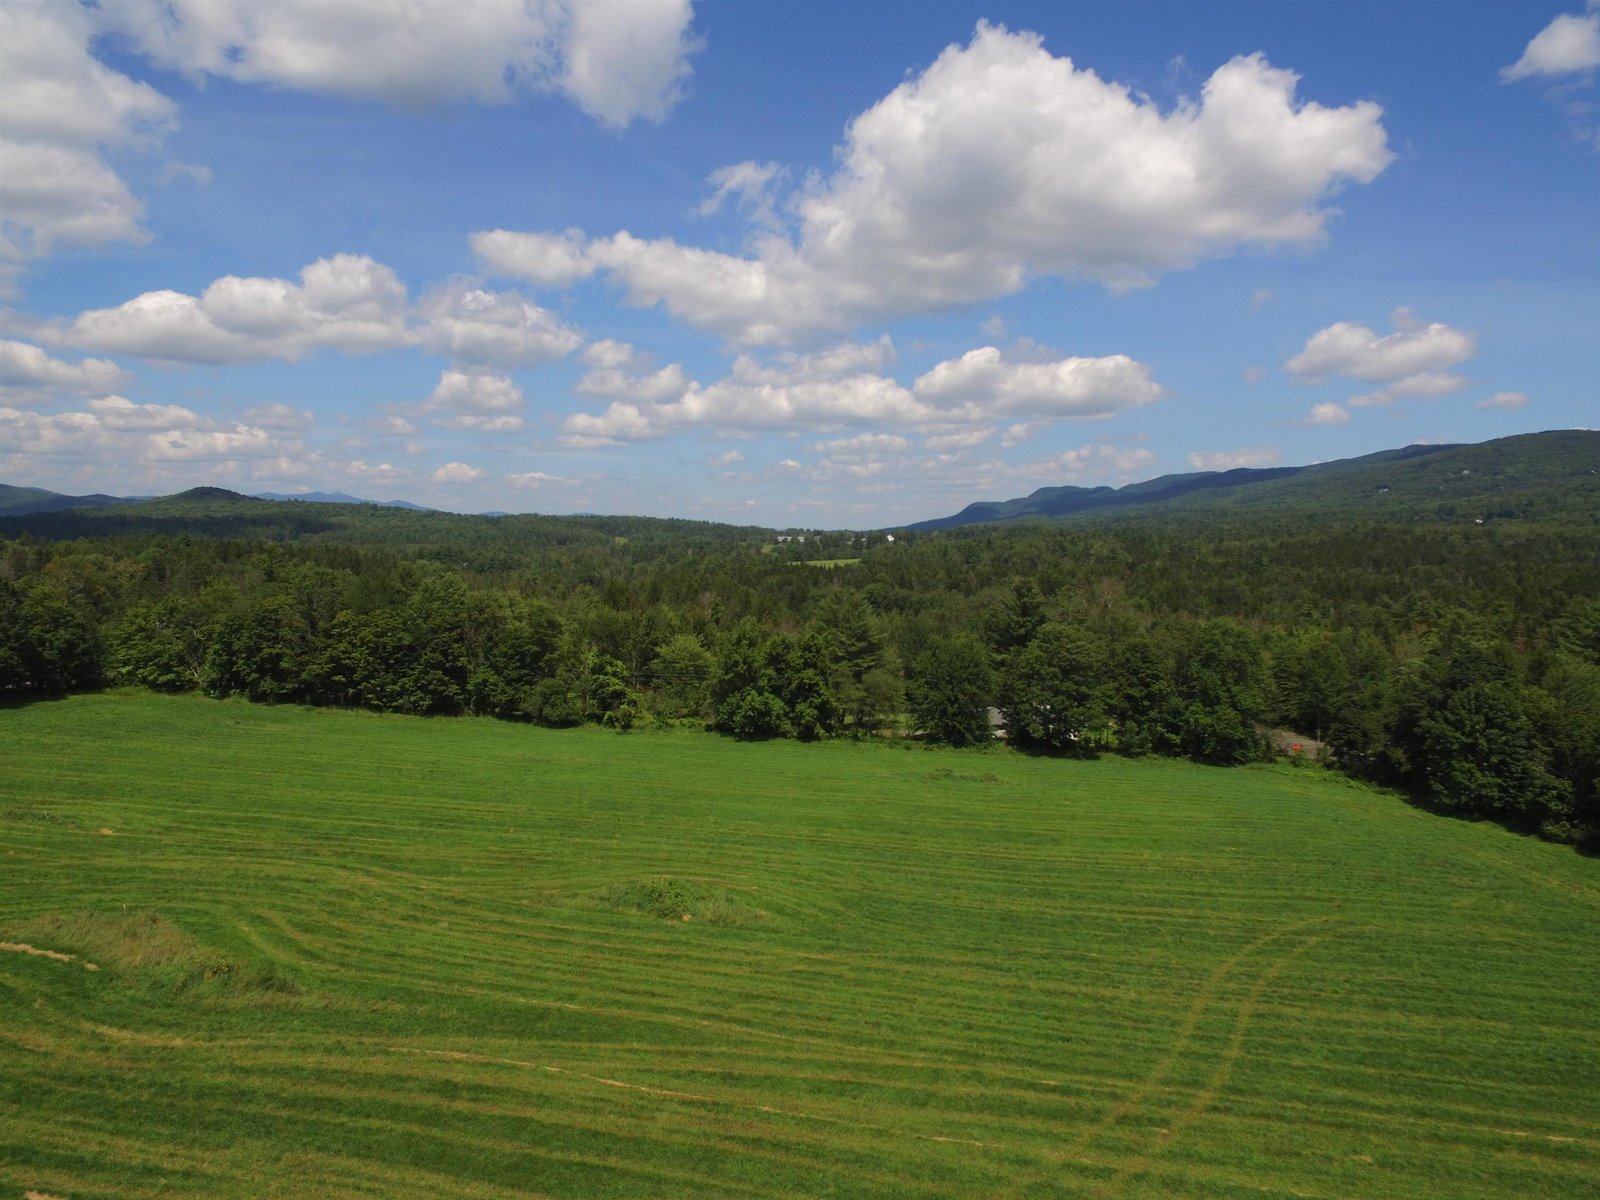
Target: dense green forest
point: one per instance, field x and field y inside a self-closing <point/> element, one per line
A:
<point x="1458" y="660"/>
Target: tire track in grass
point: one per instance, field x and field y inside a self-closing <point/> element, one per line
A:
<point x="1207" y="1095"/>
<point x="1155" y="1080"/>
<point x="1202" y="1003"/>
<point x="672" y="1094"/>
<point x="1583" y="897"/>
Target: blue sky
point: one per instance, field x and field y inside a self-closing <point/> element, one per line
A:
<point x="822" y="264"/>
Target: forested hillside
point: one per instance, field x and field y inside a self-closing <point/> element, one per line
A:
<point x="1534" y="476"/>
<point x="1458" y="659"/>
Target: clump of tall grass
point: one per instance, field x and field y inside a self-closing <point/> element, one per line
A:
<point x="146" y="948"/>
<point x="674" y="899"/>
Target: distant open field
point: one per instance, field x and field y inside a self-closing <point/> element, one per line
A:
<point x="342" y="954"/>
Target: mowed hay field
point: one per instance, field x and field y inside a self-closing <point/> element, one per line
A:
<point x="342" y="954"/>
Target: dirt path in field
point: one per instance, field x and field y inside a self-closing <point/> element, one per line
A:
<point x="57" y="955"/>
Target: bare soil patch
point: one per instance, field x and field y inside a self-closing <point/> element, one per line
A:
<point x="57" y="955"/>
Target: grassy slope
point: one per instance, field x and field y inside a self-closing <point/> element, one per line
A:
<point x="345" y="954"/>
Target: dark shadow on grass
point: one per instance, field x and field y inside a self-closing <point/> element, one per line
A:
<point x="10" y="700"/>
<point x="1586" y="842"/>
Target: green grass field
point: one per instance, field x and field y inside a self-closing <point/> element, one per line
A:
<point x="350" y="955"/>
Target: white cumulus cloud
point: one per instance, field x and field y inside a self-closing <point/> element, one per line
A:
<point x="457" y="472"/>
<point x="117" y="436"/>
<point x="982" y="380"/>
<point x="618" y="371"/>
<point x="618" y="60"/>
<point x="1099" y="461"/>
<point x="1354" y="350"/>
<point x="212" y="445"/>
<point x="1566" y="54"/>
<point x="500" y="329"/>
<point x="749" y="184"/>
<point x="1424" y="384"/>
<point x="542" y="259"/>
<point x="1568" y="45"/>
<point x="533" y="479"/>
<point x="1410" y="362"/>
<point x="63" y="111"/>
<point x="477" y="400"/>
<point x="29" y="375"/>
<point x="625" y="59"/>
<point x="834" y="362"/>
<point x="862" y="445"/>
<point x="832" y="389"/>
<point x="1020" y="432"/>
<point x="348" y="302"/>
<point x="1326" y="414"/>
<point x="1001" y="163"/>
<point x="117" y="412"/>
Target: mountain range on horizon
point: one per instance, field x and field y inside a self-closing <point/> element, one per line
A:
<point x="1495" y="472"/>
<point x="18" y="501"/>
<point x="1502" y="477"/>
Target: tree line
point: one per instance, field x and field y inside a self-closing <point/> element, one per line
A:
<point x="1462" y="666"/>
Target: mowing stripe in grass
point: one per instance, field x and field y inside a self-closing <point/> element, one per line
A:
<point x="362" y="955"/>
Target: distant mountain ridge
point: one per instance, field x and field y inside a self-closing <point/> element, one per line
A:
<point x="1555" y="474"/>
<point x="1503" y="478"/>
<point x="19" y="501"/>
<point x="338" y="498"/>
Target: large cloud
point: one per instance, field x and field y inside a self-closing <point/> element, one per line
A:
<point x="1570" y="44"/>
<point x="833" y="390"/>
<point x="1096" y="461"/>
<point x="29" y="375"/>
<point x="1348" y="348"/>
<point x="997" y="164"/>
<point x="627" y="58"/>
<point x="118" y="433"/>
<point x="617" y="59"/>
<point x="62" y="110"/>
<point x="1411" y="361"/>
<point x="114" y="444"/>
<point x="542" y="259"/>
<point x="457" y="472"/>
<point x="1325" y="414"/>
<point x="476" y="400"/>
<point x="347" y="302"/>
<point x="982" y="381"/>
<point x="1566" y="53"/>
<point x="500" y="329"/>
